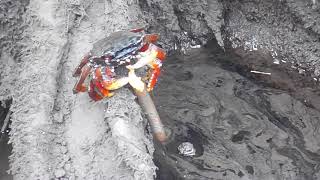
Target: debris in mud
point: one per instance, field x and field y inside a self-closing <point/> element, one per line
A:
<point x="187" y="149"/>
<point x="259" y="72"/>
<point x="59" y="173"/>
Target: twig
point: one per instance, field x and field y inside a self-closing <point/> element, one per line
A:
<point x="259" y="72"/>
<point x="149" y="108"/>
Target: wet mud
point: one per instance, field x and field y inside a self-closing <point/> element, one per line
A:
<point x="243" y="125"/>
<point x="5" y="151"/>
<point x="5" y="147"/>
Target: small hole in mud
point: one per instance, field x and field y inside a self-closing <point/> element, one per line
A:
<point x="185" y="76"/>
<point x="240" y="136"/>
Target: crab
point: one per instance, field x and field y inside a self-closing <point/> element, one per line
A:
<point x="130" y="49"/>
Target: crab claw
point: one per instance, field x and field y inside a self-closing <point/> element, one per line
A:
<point x="97" y="92"/>
<point x="116" y="84"/>
<point x="135" y="81"/>
<point x="155" y="66"/>
<point x="147" y="58"/>
<point x="104" y="75"/>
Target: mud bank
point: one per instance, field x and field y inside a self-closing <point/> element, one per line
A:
<point x="55" y="134"/>
<point x="289" y="30"/>
<point x="243" y="125"/>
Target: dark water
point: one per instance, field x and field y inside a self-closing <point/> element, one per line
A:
<point x="5" y="148"/>
<point x="243" y="125"/>
<point x="5" y="151"/>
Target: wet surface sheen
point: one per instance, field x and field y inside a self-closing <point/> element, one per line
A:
<point x="243" y="125"/>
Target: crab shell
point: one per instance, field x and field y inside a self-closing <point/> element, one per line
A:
<point x="112" y="51"/>
<point x="121" y="45"/>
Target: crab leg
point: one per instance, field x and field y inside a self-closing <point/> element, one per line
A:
<point x="103" y="83"/>
<point x="83" y="62"/>
<point x="79" y="86"/>
<point x="153" y="77"/>
<point x="94" y="92"/>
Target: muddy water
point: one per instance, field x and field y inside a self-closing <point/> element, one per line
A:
<point x="5" y="148"/>
<point x="5" y="151"/>
<point x="242" y="125"/>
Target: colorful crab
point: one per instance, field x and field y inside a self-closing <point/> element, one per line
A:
<point x="131" y="49"/>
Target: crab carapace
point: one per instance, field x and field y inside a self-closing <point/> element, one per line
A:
<point x="132" y="49"/>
